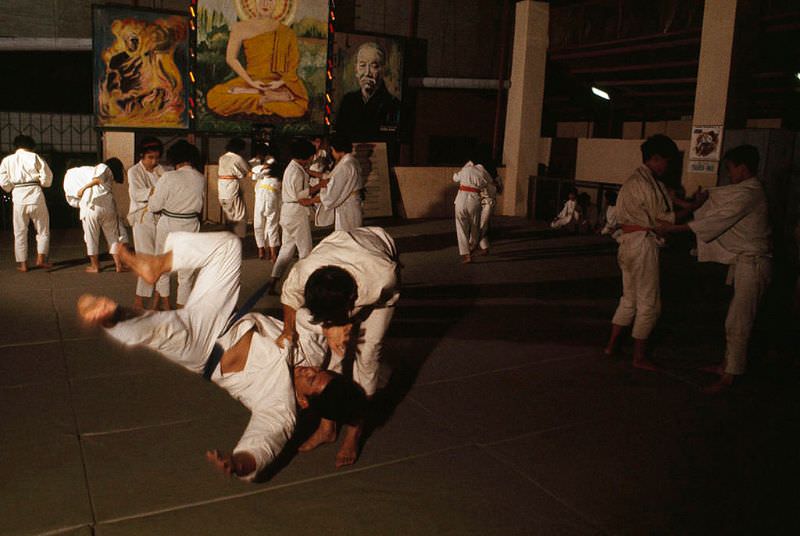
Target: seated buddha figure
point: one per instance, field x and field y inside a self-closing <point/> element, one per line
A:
<point x="269" y="84"/>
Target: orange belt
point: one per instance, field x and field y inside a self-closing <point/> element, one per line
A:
<point x="227" y="178"/>
<point x="469" y="189"/>
<point x="634" y="228"/>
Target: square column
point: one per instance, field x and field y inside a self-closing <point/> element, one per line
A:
<point x="525" y="98"/>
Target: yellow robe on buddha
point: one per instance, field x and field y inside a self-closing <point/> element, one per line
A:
<point x="270" y="56"/>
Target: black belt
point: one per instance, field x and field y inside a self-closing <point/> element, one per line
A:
<point x="182" y="216"/>
<point x="27" y="184"/>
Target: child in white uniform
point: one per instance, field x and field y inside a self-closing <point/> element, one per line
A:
<point x="267" y="206"/>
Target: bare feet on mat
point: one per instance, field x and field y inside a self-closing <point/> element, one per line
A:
<point x="95" y="310"/>
<point x="138" y="303"/>
<point x="22" y="267"/>
<point x="348" y="452"/>
<point x="41" y="262"/>
<point x="91" y="269"/>
<point x="466" y="259"/>
<point x="645" y="364"/>
<point x="325" y="433"/>
<point x="148" y="267"/>
<point x="262" y="254"/>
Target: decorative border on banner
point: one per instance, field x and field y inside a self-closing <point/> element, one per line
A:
<point x="192" y="61"/>
<point x="329" y="63"/>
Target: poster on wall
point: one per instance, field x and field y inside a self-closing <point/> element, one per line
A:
<point x="368" y="85"/>
<point x="374" y="160"/>
<point x="704" y="149"/>
<point x="261" y="62"/>
<point x="141" y="60"/>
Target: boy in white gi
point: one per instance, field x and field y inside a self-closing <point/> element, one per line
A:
<point x="232" y="168"/>
<point x="267" y="206"/>
<point x="178" y="199"/>
<point x="295" y="224"/>
<point x="24" y="174"/>
<point x="643" y="200"/>
<point x="488" y="202"/>
<point x="89" y="189"/>
<point x="733" y="228"/>
<point x="570" y="214"/>
<point x="471" y="179"/>
<point x="339" y="192"/>
<point x="271" y="382"/>
<point x="350" y="281"/>
<point x="142" y="179"/>
<point x="611" y="226"/>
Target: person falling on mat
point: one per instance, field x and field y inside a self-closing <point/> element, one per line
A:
<point x="268" y="380"/>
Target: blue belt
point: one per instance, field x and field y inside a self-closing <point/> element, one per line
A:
<point x="216" y="352"/>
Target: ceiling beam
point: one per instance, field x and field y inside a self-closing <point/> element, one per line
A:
<point x="650" y="82"/>
<point x="560" y="56"/>
<point x="635" y="67"/>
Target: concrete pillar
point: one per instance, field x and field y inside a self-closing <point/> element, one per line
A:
<point x="525" y="97"/>
<point x="120" y="145"/>
<point x="726" y="47"/>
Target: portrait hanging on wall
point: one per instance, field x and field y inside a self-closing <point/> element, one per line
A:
<point x="141" y="59"/>
<point x="368" y="85"/>
<point x="262" y="62"/>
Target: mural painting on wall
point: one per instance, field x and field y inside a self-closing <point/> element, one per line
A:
<point x="368" y="85"/>
<point x="261" y="62"/>
<point x="140" y="67"/>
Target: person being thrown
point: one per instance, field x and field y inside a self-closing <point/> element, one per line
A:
<point x="268" y="380"/>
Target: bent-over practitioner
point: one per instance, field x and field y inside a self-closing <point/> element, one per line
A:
<point x="349" y="282"/>
<point x="232" y="168"/>
<point x="24" y="174"/>
<point x="471" y="179"/>
<point x="269" y="381"/>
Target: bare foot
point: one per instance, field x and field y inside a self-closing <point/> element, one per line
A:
<point x="645" y="364"/>
<point x="721" y="386"/>
<point x="273" y="254"/>
<point x="22" y="267"/>
<point x="262" y="253"/>
<point x="348" y="452"/>
<point x="121" y="269"/>
<point x="326" y="433"/>
<point x="41" y="262"/>
<point x="92" y="269"/>
<point x="148" y="267"/>
<point x="466" y="259"/>
<point x="138" y="303"/>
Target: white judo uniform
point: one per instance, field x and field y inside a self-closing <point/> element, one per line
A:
<point x="98" y="212"/>
<point x="267" y="208"/>
<point x="733" y="228"/>
<point x="233" y="168"/>
<point x="369" y="255"/>
<point x="187" y="337"/>
<point x="295" y="223"/>
<point x="178" y="198"/>
<point x="570" y="215"/>
<point x="642" y="201"/>
<point x="24" y="174"/>
<point x="471" y="180"/>
<point x="141" y="184"/>
<point x="342" y="196"/>
<point x="488" y="202"/>
<point x="611" y="225"/>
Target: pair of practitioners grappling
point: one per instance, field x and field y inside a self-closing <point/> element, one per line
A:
<point x="347" y="285"/>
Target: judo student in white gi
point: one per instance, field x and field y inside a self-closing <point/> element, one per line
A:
<point x="642" y="202"/>
<point x="471" y="179"/>
<point x="732" y="228"/>
<point x="488" y="202"/>
<point x="570" y="215"/>
<point x="295" y="218"/>
<point x="142" y="179"/>
<point x="88" y="188"/>
<point x="269" y="381"/>
<point x="349" y="283"/>
<point x="339" y="193"/>
<point x="232" y="168"/>
<point x="267" y="209"/>
<point x="321" y="162"/>
<point x="24" y="174"/>
<point x="178" y="200"/>
<point x="610" y="225"/>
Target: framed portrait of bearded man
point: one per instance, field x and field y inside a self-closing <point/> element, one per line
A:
<point x="262" y="62"/>
<point x="141" y="59"/>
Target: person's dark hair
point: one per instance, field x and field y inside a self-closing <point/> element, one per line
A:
<point x="117" y="169"/>
<point x="150" y="144"/>
<point x="573" y="191"/>
<point x="24" y="142"/>
<point x="235" y="145"/>
<point x="584" y="199"/>
<point x="341" y="143"/>
<point x="744" y="154"/>
<point x="260" y="150"/>
<point x="660" y="145"/>
<point x="183" y="151"/>
<point x="611" y="197"/>
<point x="342" y="400"/>
<point x="301" y="149"/>
<point x="330" y="294"/>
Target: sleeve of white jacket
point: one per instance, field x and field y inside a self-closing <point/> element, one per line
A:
<point x="724" y="211"/>
<point x="270" y="427"/>
<point x="45" y="174"/>
<point x="5" y="178"/>
<point x="138" y="189"/>
<point x="293" y="292"/>
<point x="241" y="168"/>
<point x="159" y="196"/>
<point x="343" y="181"/>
